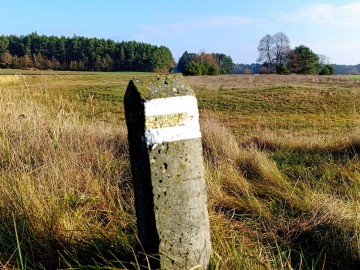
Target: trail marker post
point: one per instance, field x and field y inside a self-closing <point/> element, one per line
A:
<point x="168" y="173"/>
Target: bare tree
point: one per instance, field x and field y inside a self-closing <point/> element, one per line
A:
<point x="274" y="50"/>
<point x="265" y="50"/>
<point x="323" y="59"/>
<point x="281" y="48"/>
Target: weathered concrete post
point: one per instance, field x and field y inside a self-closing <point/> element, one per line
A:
<point x="167" y="166"/>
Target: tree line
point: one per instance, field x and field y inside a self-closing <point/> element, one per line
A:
<point x="93" y="54"/>
<point x="276" y="56"/>
<point x="82" y="53"/>
<point x="347" y="69"/>
<point x="256" y="68"/>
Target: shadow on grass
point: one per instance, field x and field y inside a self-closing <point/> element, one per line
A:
<point x="22" y="247"/>
<point x="325" y="247"/>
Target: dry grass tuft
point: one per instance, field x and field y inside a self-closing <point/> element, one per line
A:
<point x="218" y="140"/>
<point x="65" y="181"/>
<point x="9" y="79"/>
<point x="268" y="211"/>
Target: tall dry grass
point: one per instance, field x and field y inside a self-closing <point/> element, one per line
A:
<point x="273" y="221"/>
<point x="65" y="183"/>
<point x="277" y="199"/>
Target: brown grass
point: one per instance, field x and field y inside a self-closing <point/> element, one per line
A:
<point x="225" y="82"/>
<point x="66" y="179"/>
<point x="281" y="196"/>
<point x="248" y="189"/>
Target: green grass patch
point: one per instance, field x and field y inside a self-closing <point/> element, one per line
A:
<point x="352" y="77"/>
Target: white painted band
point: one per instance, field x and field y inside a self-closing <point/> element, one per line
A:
<point x="171" y="134"/>
<point x="171" y="105"/>
<point x="189" y="128"/>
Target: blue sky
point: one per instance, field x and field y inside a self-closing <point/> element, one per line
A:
<point x="232" y="27"/>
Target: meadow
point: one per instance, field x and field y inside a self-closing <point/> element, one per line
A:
<point x="281" y="154"/>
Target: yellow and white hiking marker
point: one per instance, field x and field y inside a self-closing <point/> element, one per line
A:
<point x="171" y="119"/>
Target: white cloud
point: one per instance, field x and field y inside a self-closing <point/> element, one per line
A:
<point x="184" y="26"/>
<point x="339" y="52"/>
<point x="327" y="14"/>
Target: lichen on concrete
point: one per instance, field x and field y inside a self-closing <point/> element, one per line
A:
<point x="162" y="86"/>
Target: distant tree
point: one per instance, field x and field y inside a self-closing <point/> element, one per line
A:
<point x="26" y="61"/>
<point x="197" y="68"/>
<point x="208" y="63"/>
<point x="302" y="60"/>
<point x="323" y="59"/>
<point x="325" y="67"/>
<point x="327" y="70"/>
<point x="205" y="64"/>
<point x="273" y="51"/>
<point x="206" y="57"/>
<point x="226" y="64"/>
<point x="161" y="59"/>
<point x="213" y="70"/>
<point x="6" y="60"/>
<point x="184" y="60"/>
<point x="192" y="69"/>
<point x="55" y="64"/>
<point x="35" y="43"/>
<point x="281" y="48"/>
<point x="4" y="43"/>
<point x="265" y="50"/>
<point x="15" y="46"/>
<point x="282" y="69"/>
<point x="16" y="63"/>
<point x="38" y="60"/>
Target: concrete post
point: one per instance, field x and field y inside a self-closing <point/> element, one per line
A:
<point x="168" y="174"/>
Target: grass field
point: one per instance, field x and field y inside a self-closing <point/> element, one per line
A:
<point x="281" y="153"/>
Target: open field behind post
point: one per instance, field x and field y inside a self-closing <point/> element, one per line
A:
<point x="281" y="156"/>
